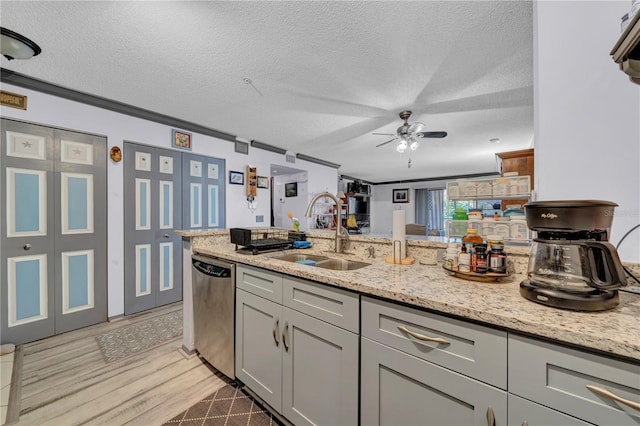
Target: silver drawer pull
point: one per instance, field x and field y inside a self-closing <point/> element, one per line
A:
<point x="166" y="235"/>
<point x="27" y="246"/>
<point x="284" y="335"/>
<point x="491" y="418"/>
<point x="423" y="337"/>
<point x="604" y="392"/>
<point x="275" y="331"/>
<point x="525" y="423"/>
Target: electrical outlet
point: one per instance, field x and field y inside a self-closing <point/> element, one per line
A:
<point x="259" y="218"/>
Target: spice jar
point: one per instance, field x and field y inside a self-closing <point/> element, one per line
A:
<point x="497" y="259"/>
<point x="479" y="259"/>
<point x="451" y="256"/>
<point x="464" y="260"/>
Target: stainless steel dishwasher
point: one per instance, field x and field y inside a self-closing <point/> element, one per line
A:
<point x="214" y="312"/>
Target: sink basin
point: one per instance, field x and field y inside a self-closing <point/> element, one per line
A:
<point x="324" y="261"/>
<point x="341" y="264"/>
<point x="301" y="256"/>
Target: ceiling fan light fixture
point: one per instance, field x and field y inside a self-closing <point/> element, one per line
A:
<point x="401" y="146"/>
<point x="414" y="144"/>
<point x="17" y="46"/>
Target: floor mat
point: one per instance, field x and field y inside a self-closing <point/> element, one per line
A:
<point x="228" y="406"/>
<point x="131" y="339"/>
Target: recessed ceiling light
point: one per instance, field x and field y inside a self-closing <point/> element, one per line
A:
<point x="494" y="140"/>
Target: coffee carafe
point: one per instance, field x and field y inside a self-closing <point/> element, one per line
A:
<point x="572" y="265"/>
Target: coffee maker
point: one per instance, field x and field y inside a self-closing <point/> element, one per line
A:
<point x="572" y="265"/>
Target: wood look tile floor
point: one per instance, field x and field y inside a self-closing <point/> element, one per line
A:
<point x="65" y="380"/>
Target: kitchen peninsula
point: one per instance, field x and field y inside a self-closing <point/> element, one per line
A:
<point x="616" y="332"/>
<point x="608" y="343"/>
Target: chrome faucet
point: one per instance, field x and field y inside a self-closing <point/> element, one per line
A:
<point x="371" y="251"/>
<point x="342" y="236"/>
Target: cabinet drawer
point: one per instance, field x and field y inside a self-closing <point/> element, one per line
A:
<point x="333" y="305"/>
<point x="558" y="377"/>
<point x="260" y="282"/>
<point x="476" y="351"/>
<point x="522" y="412"/>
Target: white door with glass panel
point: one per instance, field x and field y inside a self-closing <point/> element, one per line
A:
<point x="153" y="252"/>
<point x="53" y="231"/>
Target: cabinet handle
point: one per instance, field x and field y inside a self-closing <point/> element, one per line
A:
<point x="27" y="246"/>
<point x="491" y="418"/>
<point x="604" y="392"/>
<point x="525" y="423"/>
<point x="166" y="235"/>
<point x="422" y="336"/>
<point x="284" y="335"/>
<point x="276" y="323"/>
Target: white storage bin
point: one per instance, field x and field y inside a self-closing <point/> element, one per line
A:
<point x="518" y="229"/>
<point x="484" y="189"/>
<point x="488" y="226"/>
<point x="501" y="187"/>
<point x="502" y="229"/>
<point x="468" y="189"/>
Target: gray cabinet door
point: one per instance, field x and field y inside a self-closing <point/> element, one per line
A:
<point x="320" y="372"/>
<point x="527" y="413"/>
<point x="53" y="231"/>
<point x="400" y="389"/>
<point x="258" y="346"/>
<point x="568" y="380"/>
<point x="153" y="210"/>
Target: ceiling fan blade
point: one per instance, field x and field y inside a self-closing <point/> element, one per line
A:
<point x="416" y="127"/>
<point x="383" y="134"/>
<point x="384" y="143"/>
<point x="431" y="134"/>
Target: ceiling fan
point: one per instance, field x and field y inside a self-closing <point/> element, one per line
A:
<point x="409" y="134"/>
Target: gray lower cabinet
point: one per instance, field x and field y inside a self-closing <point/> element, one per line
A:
<point x="594" y="388"/>
<point x="420" y="368"/>
<point x="400" y="389"/>
<point x="527" y="413"/>
<point x="305" y="368"/>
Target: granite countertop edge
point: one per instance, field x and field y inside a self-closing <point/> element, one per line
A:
<point x="615" y="332"/>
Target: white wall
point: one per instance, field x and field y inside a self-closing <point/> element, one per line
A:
<point x="586" y="113"/>
<point x="56" y="112"/>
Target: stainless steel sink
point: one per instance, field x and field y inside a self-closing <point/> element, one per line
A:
<point x="294" y="257"/>
<point x="324" y="261"/>
<point x="341" y="264"/>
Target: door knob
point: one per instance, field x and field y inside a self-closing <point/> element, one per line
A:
<point x="27" y="246"/>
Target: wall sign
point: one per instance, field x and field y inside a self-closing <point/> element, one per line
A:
<point x="13" y="100"/>
<point x="180" y="139"/>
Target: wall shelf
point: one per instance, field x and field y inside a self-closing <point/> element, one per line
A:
<point x="626" y="51"/>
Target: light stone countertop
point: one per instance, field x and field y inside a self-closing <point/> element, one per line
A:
<point x="615" y="332"/>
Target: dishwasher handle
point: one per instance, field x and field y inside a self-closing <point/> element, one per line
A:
<point x="211" y="269"/>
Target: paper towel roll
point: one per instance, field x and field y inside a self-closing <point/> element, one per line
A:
<point x="399" y="253"/>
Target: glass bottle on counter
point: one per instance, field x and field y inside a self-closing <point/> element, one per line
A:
<point x="464" y="260"/>
<point x="471" y="238"/>
<point x="497" y="261"/>
<point x="479" y="259"/>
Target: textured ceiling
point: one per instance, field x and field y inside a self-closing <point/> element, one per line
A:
<point x="326" y="75"/>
